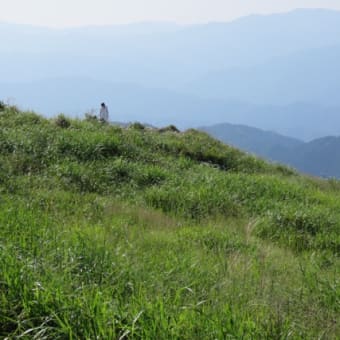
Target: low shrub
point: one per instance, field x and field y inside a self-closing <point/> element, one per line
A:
<point x="137" y="126"/>
<point x="62" y="121"/>
<point x="302" y="228"/>
<point x="169" y="128"/>
<point x="150" y="175"/>
<point x="2" y="105"/>
<point x="90" y="117"/>
<point x="192" y="202"/>
<point x="86" y="145"/>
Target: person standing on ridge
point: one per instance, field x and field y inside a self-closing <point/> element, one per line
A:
<point x="104" y="113"/>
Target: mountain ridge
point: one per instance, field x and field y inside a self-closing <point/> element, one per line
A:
<point x="308" y="75"/>
<point x="319" y="157"/>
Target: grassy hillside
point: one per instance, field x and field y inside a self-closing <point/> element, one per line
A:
<point x="115" y="233"/>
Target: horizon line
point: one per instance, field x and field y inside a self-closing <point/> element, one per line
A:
<point x="165" y="22"/>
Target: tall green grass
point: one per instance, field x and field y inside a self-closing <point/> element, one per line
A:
<point x="114" y="233"/>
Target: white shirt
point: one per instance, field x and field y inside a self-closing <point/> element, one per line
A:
<point x="104" y="113"/>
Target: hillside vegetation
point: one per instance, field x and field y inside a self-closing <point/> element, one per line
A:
<point x="130" y="233"/>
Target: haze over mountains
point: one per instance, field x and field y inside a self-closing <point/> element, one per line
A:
<point x="279" y="72"/>
<point x="320" y="157"/>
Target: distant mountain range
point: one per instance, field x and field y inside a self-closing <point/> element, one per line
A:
<point x="162" y="55"/>
<point x="277" y="72"/>
<point x="130" y="102"/>
<point x="311" y="75"/>
<point x="320" y="157"/>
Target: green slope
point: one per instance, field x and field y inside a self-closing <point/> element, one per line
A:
<point x="131" y="233"/>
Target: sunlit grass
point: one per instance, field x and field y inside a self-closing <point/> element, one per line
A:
<point x="114" y="233"/>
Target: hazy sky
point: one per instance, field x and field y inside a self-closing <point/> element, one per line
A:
<point x="60" y="13"/>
